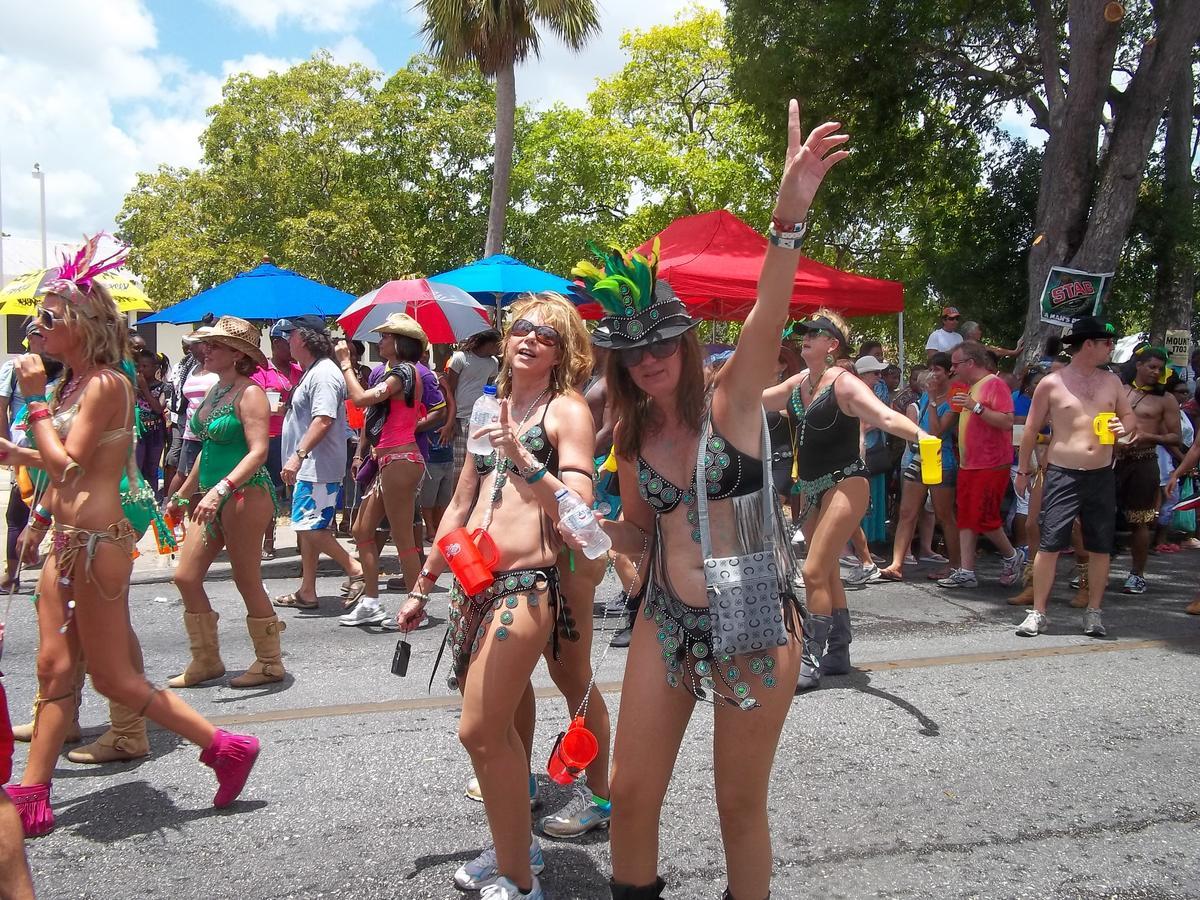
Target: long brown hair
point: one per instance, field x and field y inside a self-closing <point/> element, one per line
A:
<point x="633" y="408"/>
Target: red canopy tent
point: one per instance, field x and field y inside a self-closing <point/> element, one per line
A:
<point x="712" y="260"/>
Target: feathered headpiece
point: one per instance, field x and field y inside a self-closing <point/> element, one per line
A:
<point x="641" y="309"/>
<point x="76" y="274"/>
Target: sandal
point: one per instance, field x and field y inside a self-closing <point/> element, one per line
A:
<point x="888" y="575"/>
<point x="352" y="591"/>
<point x="293" y="601"/>
<point x="268" y="555"/>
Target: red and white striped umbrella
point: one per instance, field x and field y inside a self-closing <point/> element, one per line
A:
<point x="448" y="314"/>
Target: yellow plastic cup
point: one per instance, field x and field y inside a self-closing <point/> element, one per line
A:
<point x="931" y="460"/>
<point x="1100" y="426"/>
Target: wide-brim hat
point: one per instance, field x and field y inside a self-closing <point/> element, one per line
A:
<point x="1090" y="328"/>
<point x="200" y="334"/>
<point x="868" y="364"/>
<point x="405" y="325"/>
<point x="238" y="334"/>
<point x="666" y="317"/>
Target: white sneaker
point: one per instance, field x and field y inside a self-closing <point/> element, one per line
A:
<point x="579" y="816"/>
<point x="1035" y="623"/>
<point x="390" y="624"/>
<point x="1013" y="568"/>
<point x="503" y="889"/>
<point x="366" y="612"/>
<point x="797" y="538"/>
<point x="959" y="579"/>
<point x="473" y="791"/>
<point x="865" y="575"/>
<point x="481" y="872"/>
<point x="1093" y="624"/>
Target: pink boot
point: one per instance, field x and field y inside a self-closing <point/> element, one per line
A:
<point x="33" y="803"/>
<point x="231" y="757"/>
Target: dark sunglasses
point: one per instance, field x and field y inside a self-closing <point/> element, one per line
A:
<point x="47" y="318"/>
<point x="631" y="356"/>
<point x="544" y="333"/>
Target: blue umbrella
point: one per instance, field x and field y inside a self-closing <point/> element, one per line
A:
<point x="504" y="277"/>
<point x="265" y="292"/>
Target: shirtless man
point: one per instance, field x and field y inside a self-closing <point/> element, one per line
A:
<point x="1079" y="480"/>
<point x="1137" y="462"/>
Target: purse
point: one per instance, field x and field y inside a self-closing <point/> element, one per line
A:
<point x="744" y="592"/>
<point x="879" y="459"/>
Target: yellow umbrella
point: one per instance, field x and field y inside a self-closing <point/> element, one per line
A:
<point x="21" y="296"/>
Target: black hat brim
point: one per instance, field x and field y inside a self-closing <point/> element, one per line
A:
<point x="1098" y="335"/>
<point x="605" y="338"/>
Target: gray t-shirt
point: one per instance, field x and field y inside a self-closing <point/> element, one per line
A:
<point x="473" y="373"/>
<point x="321" y="392"/>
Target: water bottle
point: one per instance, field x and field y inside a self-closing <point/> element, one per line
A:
<point x="576" y="517"/>
<point x="485" y="412"/>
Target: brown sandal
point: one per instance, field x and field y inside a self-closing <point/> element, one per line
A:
<point x="352" y="590"/>
<point x="293" y="601"/>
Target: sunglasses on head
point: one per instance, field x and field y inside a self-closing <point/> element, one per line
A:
<point x="47" y="318"/>
<point x="544" y="333"/>
<point x="631" y="356"/>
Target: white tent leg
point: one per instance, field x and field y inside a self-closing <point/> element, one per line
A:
<point x="900" y="321"/>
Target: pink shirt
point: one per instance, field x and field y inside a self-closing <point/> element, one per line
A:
<point x="272" y="379"/>
<point x="980" y="445"/>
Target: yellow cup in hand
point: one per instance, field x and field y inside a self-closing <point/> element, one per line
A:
<point x="931" y="460"/>
<point x="1100" y="426"/>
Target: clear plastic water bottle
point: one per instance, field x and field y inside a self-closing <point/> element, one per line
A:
<point x="485" y="412"/>
<point x="577" y="518"/>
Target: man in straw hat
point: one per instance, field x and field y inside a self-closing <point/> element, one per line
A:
<point x="1083" y="403"/>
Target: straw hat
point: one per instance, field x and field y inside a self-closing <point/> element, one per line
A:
<point x="199" y="334"/>
<point x="238" y="334"/>
<point x="405" y="325"/>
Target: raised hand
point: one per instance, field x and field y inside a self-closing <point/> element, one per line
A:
<point x="31" y="374"/>
<point x="806" y="164"/>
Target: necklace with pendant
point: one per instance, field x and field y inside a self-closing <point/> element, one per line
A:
<point x="503" y="465"/>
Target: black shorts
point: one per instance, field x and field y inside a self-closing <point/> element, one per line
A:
<point x="1090" y="494"/>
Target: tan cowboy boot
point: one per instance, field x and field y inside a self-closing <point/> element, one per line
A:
<point x="206" y="651"/>
<point x="124" y="740"/>
<point x="24" y="732"/>
<point x="1080" y="600"/>
<point x="268" y="666"/>
<point x="1025" y="598"/>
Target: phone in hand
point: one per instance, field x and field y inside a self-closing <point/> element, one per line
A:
<point x="400" y="658"/>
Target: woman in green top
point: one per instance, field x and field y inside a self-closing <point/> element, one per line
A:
<point x="235" y="511"/>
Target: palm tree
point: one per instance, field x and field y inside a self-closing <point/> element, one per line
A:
<point x="496" y="35"/>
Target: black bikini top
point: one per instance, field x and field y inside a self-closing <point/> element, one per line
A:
<point x="826" y="438"/>
<point x="728" y="473"/>
<point x="536" y="440"/>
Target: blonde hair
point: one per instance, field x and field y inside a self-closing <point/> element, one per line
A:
<point x="836" y="318"/>
<point x="102" y="328"/>
<point x="575" y="353"/>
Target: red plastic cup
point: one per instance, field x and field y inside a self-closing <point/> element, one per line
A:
<point x="959" y="387"/>
<point x="573" y="752"/>
<point x="471" y="556"/>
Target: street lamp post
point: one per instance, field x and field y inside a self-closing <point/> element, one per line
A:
<point x="41" y="180"/>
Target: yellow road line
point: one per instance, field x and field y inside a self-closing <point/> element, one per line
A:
<point x="614" y="687"/>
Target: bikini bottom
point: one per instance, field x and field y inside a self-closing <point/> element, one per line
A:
<point x="472" y="615"/>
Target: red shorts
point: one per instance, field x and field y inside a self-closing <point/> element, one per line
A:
<point x="6" y="739"/>
<point x="980" y="493"/>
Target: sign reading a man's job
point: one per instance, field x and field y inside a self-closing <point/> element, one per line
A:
<point x="1070" y="294"/>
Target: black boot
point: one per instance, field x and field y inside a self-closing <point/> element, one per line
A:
<point x="837" y="651"/>
<point x="816" y="633"/>
<point x="625" y="635"/>
<point x="648" y="892"/>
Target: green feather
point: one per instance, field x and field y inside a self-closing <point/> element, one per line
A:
<point x="625" y="282"/>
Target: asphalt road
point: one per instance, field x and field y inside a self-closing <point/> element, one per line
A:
<point x="958" y="761"/>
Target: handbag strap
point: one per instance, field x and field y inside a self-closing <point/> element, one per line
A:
<point x="702" y="486"/>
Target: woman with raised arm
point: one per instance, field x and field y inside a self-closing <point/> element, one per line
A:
<point x="827" y="406"/>
<point x="669" y="426"/>
<point x="236" y="506"/>
<point x="543" y="442"/>
<point x="394" y="410"/>
<point x="84" y="439"/>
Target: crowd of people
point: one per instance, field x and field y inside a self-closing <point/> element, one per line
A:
<point x="636" y="418"/>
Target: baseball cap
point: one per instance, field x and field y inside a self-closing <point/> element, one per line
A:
<point x="951" y="312"/>
<point x="284" y="327"/>
<point x="869" y="364"/>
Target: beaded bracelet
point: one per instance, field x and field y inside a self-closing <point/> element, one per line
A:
<point x="183" y="502"/>
<point x="419" y="597"/>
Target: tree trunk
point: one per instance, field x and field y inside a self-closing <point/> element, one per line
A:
<point x="1066" y="233"/>
<point x="506" y="112"/>
<point x="1175" y="282"/>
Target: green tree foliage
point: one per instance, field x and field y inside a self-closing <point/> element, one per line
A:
<point x="324" y="170"/>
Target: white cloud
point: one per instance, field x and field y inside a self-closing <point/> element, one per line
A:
<point x="563" y="75"/>
<point x="312" y="15"/>
<point x="351" y="50"/>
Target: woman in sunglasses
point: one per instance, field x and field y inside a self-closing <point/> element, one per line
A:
<point x="543" y="442"/>
<point x="827" y="404"/>
<point x="84" y="436"/>
<point x="663" y="406"/>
